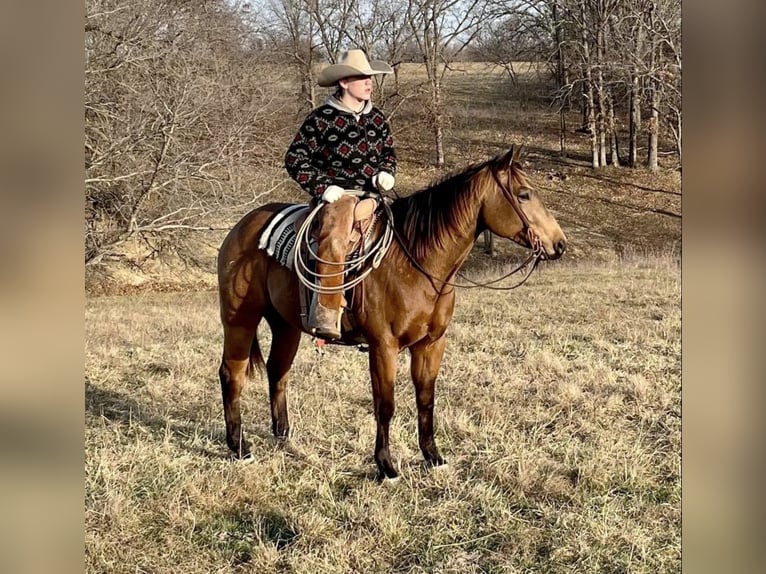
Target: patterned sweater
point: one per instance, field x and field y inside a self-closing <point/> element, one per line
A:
<point x="336" y="146"/>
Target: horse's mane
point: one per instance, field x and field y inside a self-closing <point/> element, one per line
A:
<point x="427" y="218"/>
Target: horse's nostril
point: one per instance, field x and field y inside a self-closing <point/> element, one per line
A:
<point x="561" y="246"/>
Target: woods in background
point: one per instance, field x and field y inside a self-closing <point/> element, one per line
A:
<point x="186" y="112"/>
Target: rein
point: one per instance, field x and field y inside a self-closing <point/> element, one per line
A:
<point x="534" y="256"/>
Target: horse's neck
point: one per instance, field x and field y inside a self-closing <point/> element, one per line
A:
<point x="457" y="205"/>
<point x="443" y="262"/>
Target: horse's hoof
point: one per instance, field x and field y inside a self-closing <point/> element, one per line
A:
<point x="386" y="481"/>
<point x="388" y="475"/>
<point x="246" y="458"/>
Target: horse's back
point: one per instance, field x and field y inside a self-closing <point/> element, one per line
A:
<point x="247" y="231"/>
<point x="244" y="269"/>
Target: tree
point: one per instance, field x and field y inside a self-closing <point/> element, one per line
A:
<point x="292" y="29"/>
<point x="177" y="121"/>
<point x="612" y="56"/>
<point x="442" y="29"/>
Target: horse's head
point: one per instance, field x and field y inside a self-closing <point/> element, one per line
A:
<point x="512" y="208"/>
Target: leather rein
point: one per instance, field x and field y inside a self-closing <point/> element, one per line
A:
<point x="534" y="241"/>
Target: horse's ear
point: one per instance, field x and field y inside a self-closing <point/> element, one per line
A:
<point x="517" y="153"/>
<point x="508" y="157"/>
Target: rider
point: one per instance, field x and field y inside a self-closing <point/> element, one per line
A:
<point x="344" y="144"/>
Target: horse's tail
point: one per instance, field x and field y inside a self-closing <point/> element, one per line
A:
<point x="256" y="358"/>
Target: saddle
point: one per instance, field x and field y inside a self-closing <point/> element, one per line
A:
<point x="364" y="251"/>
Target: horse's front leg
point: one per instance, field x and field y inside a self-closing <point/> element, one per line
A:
<point x="383" y="376"/>
<point x="285" y="340"/>
<point x="426" y="360"/>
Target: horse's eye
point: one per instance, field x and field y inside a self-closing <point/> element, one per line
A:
<point x="524" y="195"/>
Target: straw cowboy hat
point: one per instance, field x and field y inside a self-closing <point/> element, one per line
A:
<point x="352" y="63"/>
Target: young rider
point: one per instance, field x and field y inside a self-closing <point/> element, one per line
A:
<point x="344" y="144"/>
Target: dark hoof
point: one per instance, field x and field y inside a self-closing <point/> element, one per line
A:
<point x="241" y="452"/>
<point x="281" y="435"/>
<point x="437" y="461"/>
<point x="386" y="473"/>
<point x="432" y="456"/>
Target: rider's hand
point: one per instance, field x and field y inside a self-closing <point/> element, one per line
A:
<point x="383" y="180"/>
<point x="333" y="193"/>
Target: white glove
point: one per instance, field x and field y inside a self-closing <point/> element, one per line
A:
<point x="383" y="180"/>
<point x="333" y="193"/>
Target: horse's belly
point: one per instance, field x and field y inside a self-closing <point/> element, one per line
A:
<point x="282" y="286"/>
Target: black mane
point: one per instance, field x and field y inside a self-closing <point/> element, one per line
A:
<point x="428" y="217"/>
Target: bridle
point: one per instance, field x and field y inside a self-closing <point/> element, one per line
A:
<point x="531" y="236"/>
<point x="533" y="240"/>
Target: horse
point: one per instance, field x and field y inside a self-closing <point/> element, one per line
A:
<point x="407" y="301"/>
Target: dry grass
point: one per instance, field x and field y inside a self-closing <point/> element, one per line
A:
<point x="558" y="405"/>
<point x="558" y="410"/>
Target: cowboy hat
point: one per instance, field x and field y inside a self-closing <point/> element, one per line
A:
<point x="352" y="63"/>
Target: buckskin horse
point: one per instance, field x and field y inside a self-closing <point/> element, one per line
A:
<point x="407" y="302"/>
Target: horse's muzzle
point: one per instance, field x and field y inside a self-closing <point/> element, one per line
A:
<point x="558" y="250"/>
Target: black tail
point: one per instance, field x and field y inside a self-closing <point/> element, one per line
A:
<point x="256" y="358"/>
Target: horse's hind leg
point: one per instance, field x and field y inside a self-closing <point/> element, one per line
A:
<point x="426" y="359"/>
<point x="233" y="374"/>
<point x="284" y="346"/>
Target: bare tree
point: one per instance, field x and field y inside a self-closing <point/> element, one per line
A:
<point x="664" y="74"/>
<point x="332" y="19"/>
<point x="381" y="29"/>
<point x="653" y="90"/>
<point x="637" y="56"/>
<point x="177" y="121"/>
<point x="442" y="30"/>
<point x="616" y="56"/>
<point x="292" y="30"/>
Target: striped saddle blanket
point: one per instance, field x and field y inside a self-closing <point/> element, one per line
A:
<point x="278" y="238"/>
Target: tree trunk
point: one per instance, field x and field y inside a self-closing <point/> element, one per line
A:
<point x="635" y="121"/>
<point x="489" y="243"/>
<point x="561" y="80"/>
<point x="635" y="97"/>
<point x="612" y="128"/>
<point x="591" y="118"/>
<point x="677" y="132"/>
<point x="601" y="95"/>
<point x="654" y="98"/>
<point x="438" y="121"/>
<point x="563" y="130"/>
<point x="654" y="128"/>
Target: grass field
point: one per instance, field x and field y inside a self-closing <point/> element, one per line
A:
<point x="557" y="409"/>
<point x="557" y="406"/>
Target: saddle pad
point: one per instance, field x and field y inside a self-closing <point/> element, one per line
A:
<point x="278" y="238"/>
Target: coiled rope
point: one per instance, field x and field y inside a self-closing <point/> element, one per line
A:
<point x="376" y="252"/>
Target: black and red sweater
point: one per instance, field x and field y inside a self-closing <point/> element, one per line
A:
<point x="335" y="146"/>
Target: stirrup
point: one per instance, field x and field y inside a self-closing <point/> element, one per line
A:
<point x="324" y="322"/>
